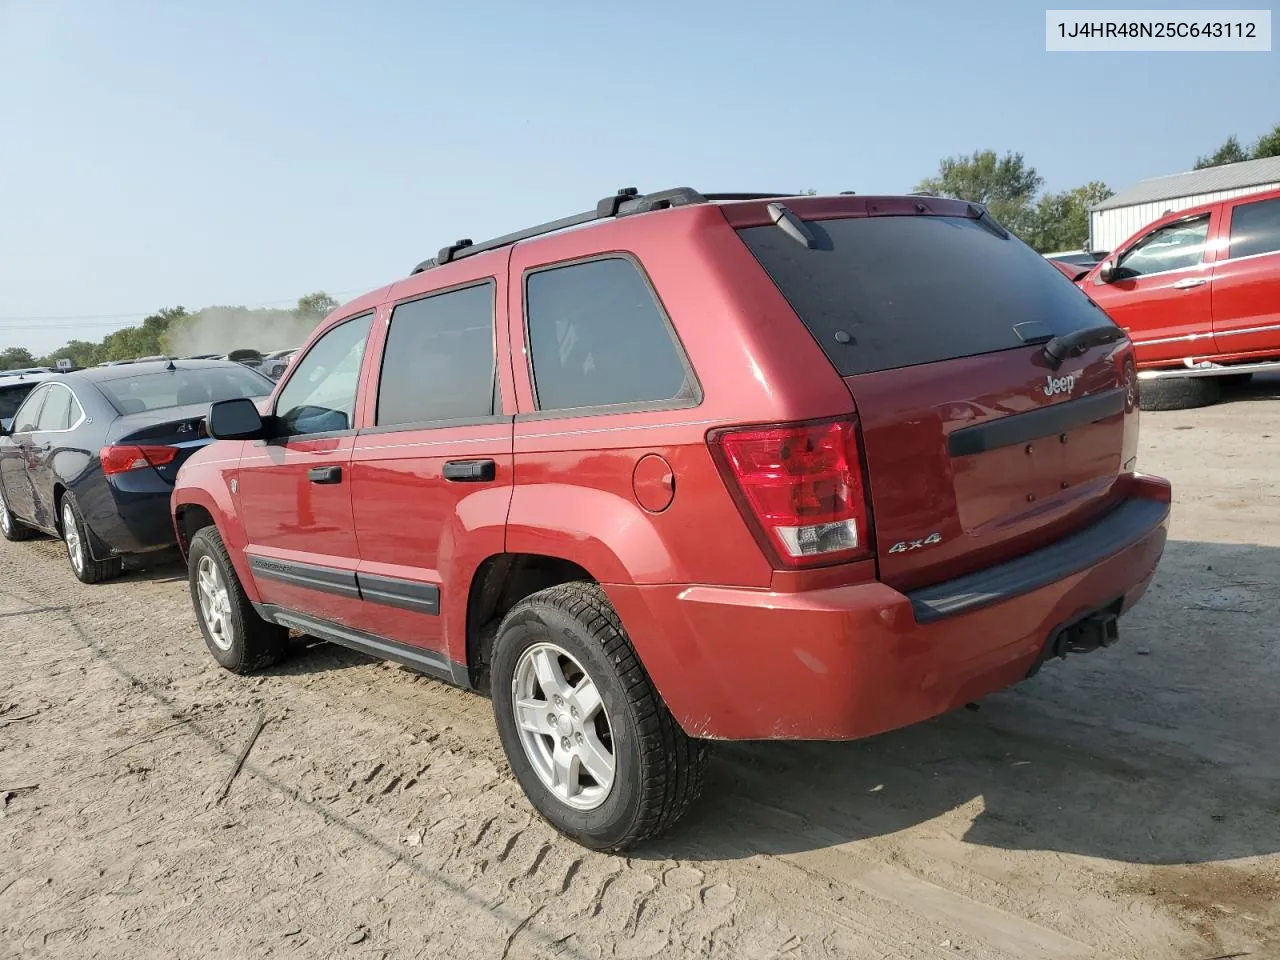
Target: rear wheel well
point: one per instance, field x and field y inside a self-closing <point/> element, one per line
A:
<point x="58" y="491"/>
<point x="499" y="584"/>
<point x="191" y="519"/>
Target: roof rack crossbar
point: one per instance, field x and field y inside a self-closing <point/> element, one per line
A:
<point x="625" y="202"/>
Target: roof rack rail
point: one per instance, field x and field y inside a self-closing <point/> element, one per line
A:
<point x="625" y="202"/>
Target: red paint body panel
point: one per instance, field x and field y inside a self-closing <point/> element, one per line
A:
<point x="848" y="662"/>
<point x="987" y="507"/>
<point x="1232" y="315"/>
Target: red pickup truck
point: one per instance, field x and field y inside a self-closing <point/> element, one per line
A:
<point x="1198" y="292"/>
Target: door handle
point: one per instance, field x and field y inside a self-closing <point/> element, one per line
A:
<point x="325" y="474"/>
<point x="1190" y="282"/>
<point x="470" y="471"/>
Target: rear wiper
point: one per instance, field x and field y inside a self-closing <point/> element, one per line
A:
<point x="791" y="225"/>
<point x="1078" y="341"/>
<point x="984" y="217"/>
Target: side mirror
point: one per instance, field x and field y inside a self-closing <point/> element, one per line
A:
<point x="1109" y="272"/>
<point x="235" y="420"/>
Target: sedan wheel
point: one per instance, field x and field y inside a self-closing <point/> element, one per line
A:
<point x="215" y="603"/>
<point x="71" y="536"/>
<point x="564" y="728"/>
<point x="6" y="519"/>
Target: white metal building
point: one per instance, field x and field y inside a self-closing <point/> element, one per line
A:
<point x="1117" y="218"/>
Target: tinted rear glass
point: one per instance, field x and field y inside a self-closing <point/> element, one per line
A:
<point x="177" y="388"/>
<point x="916" y="289"/>
<point x="11" y="398"/>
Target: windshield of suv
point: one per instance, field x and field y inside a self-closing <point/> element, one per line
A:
<point x="177" y="388"/>
<point x="904" y="290"/>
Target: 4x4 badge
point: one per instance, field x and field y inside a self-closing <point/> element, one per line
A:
<point x="903" y="546"/>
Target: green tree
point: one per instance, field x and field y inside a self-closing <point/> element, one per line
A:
<point x="1060" y="221"/>
<point x="1006" y="185"/>
<point x="1229" y="152"/>
<point x="15" y="358"/>
<point x="82" y="353"/>
<point x="1268" y="145"/>
<point x="318" y="305"/>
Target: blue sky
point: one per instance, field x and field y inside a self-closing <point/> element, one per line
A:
<point x="157" y="153"/>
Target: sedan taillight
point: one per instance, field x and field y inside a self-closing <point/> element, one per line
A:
<point x="122" y="459"/>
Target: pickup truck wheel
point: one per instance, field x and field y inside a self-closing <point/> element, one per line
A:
<point x="238" y="638"/>
<point x="12" y="528"/>
<point x="75" y="536"/>
<point x="587" y="735"/>
<point x="1185" y="393"/>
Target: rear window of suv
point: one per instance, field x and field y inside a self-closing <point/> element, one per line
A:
<point x="904" y="290"/>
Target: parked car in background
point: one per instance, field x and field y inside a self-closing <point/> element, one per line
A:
<point x="706" y="468"/>
<point x="91" y="456"/>
<point x="276" y="362"/>
<point x="1072" y="271"/>
<point x="24" y="371"/>
<point x="14" y="387"/>
<point x="1079" y="258"/>
<point x="1198" y="292"/>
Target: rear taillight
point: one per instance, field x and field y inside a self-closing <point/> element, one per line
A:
<point x="122" y="459"/>
<point x="802" y="489"/>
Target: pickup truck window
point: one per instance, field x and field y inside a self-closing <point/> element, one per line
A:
<point x="1173" y="247"/>
<point x="1255" y="228"/>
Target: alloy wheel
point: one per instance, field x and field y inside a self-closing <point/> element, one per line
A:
<point x="215" y="603"/>
<point x="563" y="726"/>
<point x="71" y="536"/>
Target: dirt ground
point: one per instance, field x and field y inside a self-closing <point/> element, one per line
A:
<point x="1124" y="804"/>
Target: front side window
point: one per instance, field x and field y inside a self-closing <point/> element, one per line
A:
<point x="60" y="410"/>
<point x="29" y="413"/>
<point x="439" y="359"/>
<point x="1255" y="228"/>
<point x="1175" y="247"/>
<point x="597" y="337"/>
<point x="320" y="397"/>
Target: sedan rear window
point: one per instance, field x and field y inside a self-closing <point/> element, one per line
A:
<point x="894" y="291"/>
<point x="183" y="386"/>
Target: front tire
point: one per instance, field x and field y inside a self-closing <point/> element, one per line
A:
<point x="588" y="737"/>
<point x="12" y="528"/>
<point x="238" y="638"/>
<point x="75" y="536"/>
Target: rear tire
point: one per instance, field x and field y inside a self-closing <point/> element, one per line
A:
<point x="1235" y="380"/>
<point x="12" y="528"/>
<point x="238" y="638"/>
<point x="568" y="638"/>
<point x="75" y="535"/>
<point x="1184" y="393"/>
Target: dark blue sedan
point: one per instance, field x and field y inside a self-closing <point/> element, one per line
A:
<point x="91" y="457"/>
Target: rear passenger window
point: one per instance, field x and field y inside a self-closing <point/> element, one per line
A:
<point x="438" y="363"/>
<point x="597" y="337"/>
<point x="57" y="411"/>
<point x="1255" y="228"/>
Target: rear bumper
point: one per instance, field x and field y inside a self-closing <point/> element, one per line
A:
<point x="135" y="520"/>
<point x="848" y="662"/>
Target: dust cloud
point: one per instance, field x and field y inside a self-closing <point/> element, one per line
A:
<point x="223" y="329"/>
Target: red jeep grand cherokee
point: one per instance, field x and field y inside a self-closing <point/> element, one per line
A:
<point x="713" y="467"/>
